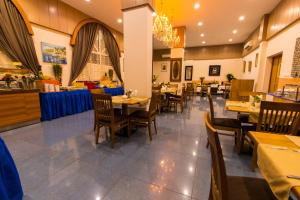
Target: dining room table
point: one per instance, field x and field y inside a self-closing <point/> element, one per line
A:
<point x="170" y="90"/>
<point x="278" y="158"/>
<point x="124" y="101"/>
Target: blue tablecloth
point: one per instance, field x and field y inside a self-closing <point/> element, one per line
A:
<point x="10" y="184"/>
<point x="114" y="91"/>
<point x="59" y="104"/>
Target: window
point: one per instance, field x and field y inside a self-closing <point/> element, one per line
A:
<point x="99" y="62"/>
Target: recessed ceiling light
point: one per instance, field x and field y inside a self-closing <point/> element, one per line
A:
<point x="202" y="34"/>
<point x="200" y="23"/>
<point x="120" y="20"/>
<point x="230" y="40"/>
<point x="196" y="6"/>
<point x="87" y="0"/>
<point x="234" y="31"/>
<point x="242" y="18"/>
<point x="154" y="14"/>
<point x="203" y="42"/>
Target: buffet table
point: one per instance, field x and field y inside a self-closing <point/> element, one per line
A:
<point x="60" y="104"/>
<point x="10" y="184"/>
<point x="18" y="108"/>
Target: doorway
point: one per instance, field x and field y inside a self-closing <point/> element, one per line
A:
<point x="275" y="73"/>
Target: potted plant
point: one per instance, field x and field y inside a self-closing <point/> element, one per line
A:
<point x="111" y="74"/>
<point x="57" y="70"/>
<point x="230" y="77"/>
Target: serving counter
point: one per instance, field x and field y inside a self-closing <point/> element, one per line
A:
<point x="19" y="108"/>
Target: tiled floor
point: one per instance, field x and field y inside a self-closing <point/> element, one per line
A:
<point x="58" y="160"/>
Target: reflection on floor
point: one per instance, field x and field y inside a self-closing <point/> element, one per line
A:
<point x="58" y="160"/>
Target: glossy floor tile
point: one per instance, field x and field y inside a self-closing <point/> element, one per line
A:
<point x="58" y="160"/>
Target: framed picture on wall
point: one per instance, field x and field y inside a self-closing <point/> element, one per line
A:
<point x="175" y="72"/>
<point x="256" y="59"/>
<point x="188" y="73"/>
<point x="249" y="66"/>
<point x="214" y="70"/>
<point x="54" y="53"/>
<point x="164" y="67"/>
<point x="244" y="66"/>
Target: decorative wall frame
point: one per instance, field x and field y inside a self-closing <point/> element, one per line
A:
<point x="214" y="70"/>
<point x="164" y="67"/>
<point x="175" y="70"/>
<point x="188" y="73"/>
<point x="249" y="66"/>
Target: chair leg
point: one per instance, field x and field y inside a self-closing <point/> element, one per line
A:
<point x="241" y="140"/>
<point x="207" y="144"/>
<point x="181" y="106"/>
<point x="129" y="129"/>
<point x="97" y="133"/>
<point x="149" y="130"/>
<point x="112" y="137"/>
<point x="254" y="158"/>
<point x="155" y="125"/>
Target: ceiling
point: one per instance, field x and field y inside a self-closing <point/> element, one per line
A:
<point x="219" y="17"/>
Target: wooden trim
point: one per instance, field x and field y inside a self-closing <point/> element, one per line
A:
<point x="88" y="21"/>
<point x="24" y="16"/>
<point x="284" y="29"/>
<point x="252" y="50"/>
<point x="138" y="6"/>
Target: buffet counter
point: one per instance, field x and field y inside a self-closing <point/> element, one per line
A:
<point x="19" y="108"/>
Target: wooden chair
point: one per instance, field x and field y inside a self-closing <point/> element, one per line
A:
<point x="245" y="96"/>
<point x="145" y="118"/>
<point x="96" y="91"/>
<point x="175" y="100"/>
<point x="159" y="99"/>
<point x="225" y="187"/>
<point x="225" y="124"/>
<point x="106" y="116"/>
<point x="190" y="90"/>
<point x="276" y="118"/>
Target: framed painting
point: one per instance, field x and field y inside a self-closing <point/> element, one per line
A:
<point x="54" y="53"/>
<point x="175" y="72"/>
<point x="214" y="70"/>
<point x="164" y="67"/>
<point x="188" y="73"/>
<point x="249" y="66"/>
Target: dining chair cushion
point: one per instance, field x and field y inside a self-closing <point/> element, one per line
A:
<point x="227" y="122"/>
<point x="248" y="188"/>
<point x="243" y="117"/>
<point x="139" y="114"/>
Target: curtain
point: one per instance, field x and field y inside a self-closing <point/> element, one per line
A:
<point x="83" y="48"/>
<point x="15" y="38"/>
<point x="113" y="51"/>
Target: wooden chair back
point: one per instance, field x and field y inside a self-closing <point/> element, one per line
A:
<point x="103" y="107"/>
<point x="279" y="117"/>
<point x="245" y="95"/>
<point x="158" y="87"/>
<point x="212" y="110"/>
<point x="97" y="91"/>
<point x="239" y="85"/>
<point x="219" y="188"/>
<point x="153" y="104"/>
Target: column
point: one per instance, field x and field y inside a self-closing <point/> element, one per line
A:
<point x="138" y="46"/>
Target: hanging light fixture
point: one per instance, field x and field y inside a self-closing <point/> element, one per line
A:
<point x="163" y="30"/>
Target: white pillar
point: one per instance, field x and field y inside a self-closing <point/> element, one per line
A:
<point x="138" y="47"/>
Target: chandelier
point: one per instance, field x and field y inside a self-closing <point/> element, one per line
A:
<point x="164" y="32"/>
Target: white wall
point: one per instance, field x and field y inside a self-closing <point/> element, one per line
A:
<point x="201" y="69"/>
<point x="56" y="38"/>
<point x="285" y="43"/>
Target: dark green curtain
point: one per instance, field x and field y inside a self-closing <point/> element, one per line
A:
<point x="113" y="51"/>
<point x="15" y="39"/>
<point x="83" y="48"/>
